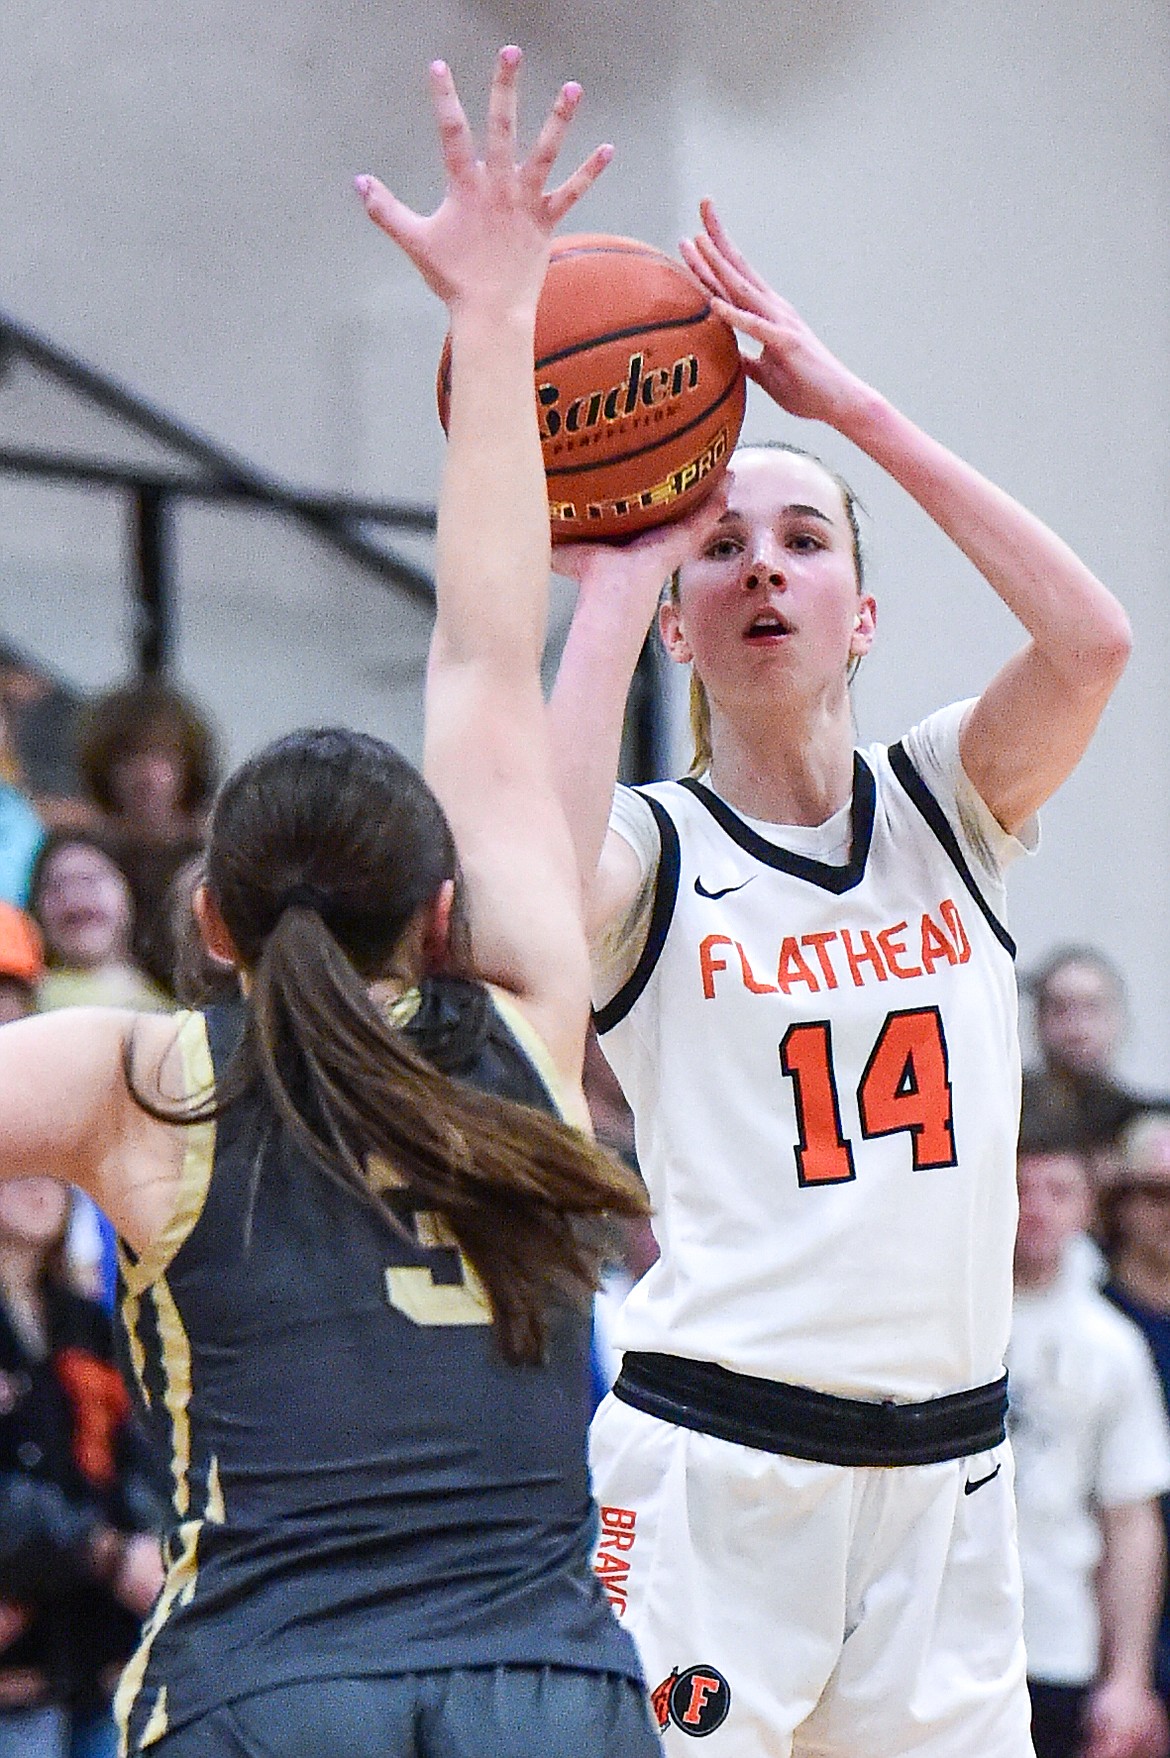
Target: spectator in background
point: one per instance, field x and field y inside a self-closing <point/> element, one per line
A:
<point x="79" y="1565"/>
<point x="148" y="761"/>
<point x="42" y="713"/>
<point x="1137" y="1232"/>
<point x="82" y="902"/>
<point x="1080" y="1020"/>
<point x="1092" y="1450"/>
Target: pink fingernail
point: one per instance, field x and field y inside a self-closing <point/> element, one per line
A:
<point x="510" y="55"/>
<point x="362" y="185"/>
<point x="439" y="69"/>
<point x="572" y="90"/>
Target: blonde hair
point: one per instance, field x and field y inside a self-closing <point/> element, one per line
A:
<point x="700" y="717"/>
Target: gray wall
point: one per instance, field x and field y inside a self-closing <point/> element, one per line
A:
<point x="970" y="202"/>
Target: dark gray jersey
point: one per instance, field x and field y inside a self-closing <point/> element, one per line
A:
<point x="362" y="1484"/>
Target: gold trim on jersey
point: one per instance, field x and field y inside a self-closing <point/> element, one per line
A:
<point x="179" y="1586"/>
<point x="156" y="1725"/>
<point x="403" y="1008"/>
<point x="216" y="1510"/>
<point x="131" y="1307"/>
<point x="538" y="1053"/>
<point x="176" y="1366"/>
<point x="198" y="1160"/>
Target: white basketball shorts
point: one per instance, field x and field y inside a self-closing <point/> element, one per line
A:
<point x="786" y="1609"/>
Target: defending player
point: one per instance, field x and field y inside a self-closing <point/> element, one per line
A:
<point x="357" y="1273"/>
<point x="806" y="988"/>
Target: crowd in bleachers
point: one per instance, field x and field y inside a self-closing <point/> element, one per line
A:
<point x="90" y="913"/>
<point x="96" y="875"/>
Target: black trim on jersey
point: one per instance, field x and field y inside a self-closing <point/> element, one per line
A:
<point x="921" y="797"/>
<point x="661" y="915"/>
<point x="829" y="878"/>
<point x="802" y="1424"/>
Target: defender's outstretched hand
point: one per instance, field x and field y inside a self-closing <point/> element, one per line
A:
<point x="489" y="237"/>
<point x="796" y="369"/>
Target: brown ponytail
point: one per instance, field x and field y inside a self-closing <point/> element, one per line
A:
<point x="322" y="850"/>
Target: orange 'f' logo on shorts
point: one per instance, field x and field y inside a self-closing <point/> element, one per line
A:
<point x="697" y="1701"/>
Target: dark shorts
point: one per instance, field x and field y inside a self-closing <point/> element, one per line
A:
<point x="1058" y="1719"/>
<point x="478" y="1712"/>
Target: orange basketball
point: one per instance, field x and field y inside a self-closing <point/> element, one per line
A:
<point x="639" y="388"/>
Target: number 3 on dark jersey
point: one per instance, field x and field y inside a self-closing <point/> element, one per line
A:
<point x="905" y="1087"/>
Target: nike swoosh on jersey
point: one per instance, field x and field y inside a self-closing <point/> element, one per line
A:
<point x="970" y="1487"/>
<point x="703" y="892"/>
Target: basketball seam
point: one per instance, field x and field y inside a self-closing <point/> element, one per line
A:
<point x="676" y="433"/>
<point x="673" y="323"/>
<point x="643" y="250"/>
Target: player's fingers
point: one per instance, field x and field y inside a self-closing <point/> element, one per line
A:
<point x="717" y="275"/>
<point x="719" y="236"/>
<point x="698" y="268"/>
<point x="455" y="137"/>
<point x="541" y="159"/>
<point x="681" y="541"/>
<point x="750" y="322"/>
<point x="746" y="292"/>
<point x="570" y="560"/>
<point x="558" y="201"/>
<point x="386" y="211"/>
<point x="501" y="116"/>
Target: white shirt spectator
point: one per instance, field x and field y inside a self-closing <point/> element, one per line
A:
<point x="1089" y="1430"/>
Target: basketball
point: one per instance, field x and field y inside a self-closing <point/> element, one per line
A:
<point x="639" y="388"/>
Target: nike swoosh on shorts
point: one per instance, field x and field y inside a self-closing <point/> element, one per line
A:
<point x="970" y="1487"/>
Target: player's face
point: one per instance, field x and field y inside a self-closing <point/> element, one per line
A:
<point x="33" y="1211"/>
<point x="1054" y="1205"/>
<point x="772" y="600"/>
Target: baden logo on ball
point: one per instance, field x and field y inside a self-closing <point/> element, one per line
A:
<point x="639" y="388"/>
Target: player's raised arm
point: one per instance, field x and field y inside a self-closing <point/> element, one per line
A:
<point x="618" y="588"/>
<point x="66" y="1111"/>
<point x="484" y="252"/>
<point x="1033" y="721"/>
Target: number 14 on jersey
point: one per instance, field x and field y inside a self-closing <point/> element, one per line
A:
<point x="905" y="1089"/>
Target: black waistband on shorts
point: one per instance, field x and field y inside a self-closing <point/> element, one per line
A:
<point x="803" y="1424"/>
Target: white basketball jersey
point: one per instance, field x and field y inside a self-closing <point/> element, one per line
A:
<point x="823" y="1066"/>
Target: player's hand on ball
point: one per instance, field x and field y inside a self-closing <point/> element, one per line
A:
<point x="642" y="564"/>
<point x="488" y="239"/>
<point x="795" y="368"/>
